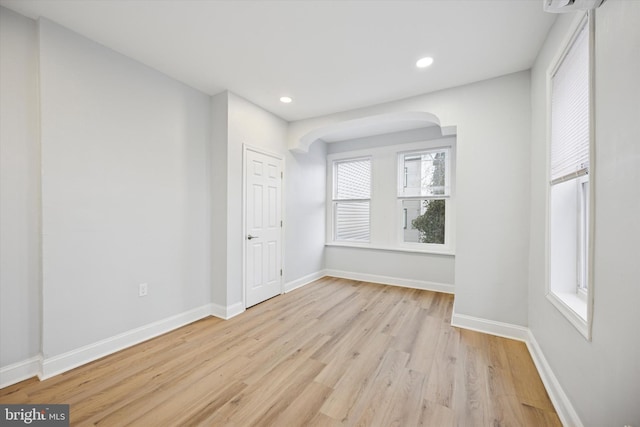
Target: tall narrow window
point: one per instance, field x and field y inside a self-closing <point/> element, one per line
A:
<point x="423" y="191"/>
<point x="351" y="200"/>
<point x="570" y="174"/>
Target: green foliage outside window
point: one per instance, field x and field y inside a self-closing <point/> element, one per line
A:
<point x="431" y="222"/>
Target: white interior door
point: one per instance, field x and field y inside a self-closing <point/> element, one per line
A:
<point x="263" y="239"/>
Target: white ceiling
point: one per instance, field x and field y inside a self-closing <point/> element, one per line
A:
<point x="329" y="56"/>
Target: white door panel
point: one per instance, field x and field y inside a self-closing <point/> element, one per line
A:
<point x="263" y="251"/>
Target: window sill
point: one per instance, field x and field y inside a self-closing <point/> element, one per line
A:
<point x="574" y="308"/>
<point x="444" y="252"/>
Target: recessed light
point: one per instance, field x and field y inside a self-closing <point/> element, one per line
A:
<point x="424" y="62"/>
<point x="285" y="99"/>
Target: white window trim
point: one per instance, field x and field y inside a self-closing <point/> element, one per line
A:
<point x="396" y="244"/>
<point x="576" y="307"/>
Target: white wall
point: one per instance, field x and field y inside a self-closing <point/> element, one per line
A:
<point x="412" y="269"/>
<point x="238" y="122"/>
<point x="304" y="175"/>
<point x="219" y="171"/>
<point x="305" y="189"/>
<point x="601" y="377"/>
<point x="383" y="140"/>
<point x="492" y="226"/>
<point x="253" y="126"/>
<point x="141" y="183"/>
<point x="125" y="192"/>
<point x="19" y="190"/>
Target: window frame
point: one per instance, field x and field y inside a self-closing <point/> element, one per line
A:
<point x="335" y="200"/>
<point x="386" y="219"/>
<point x="583" y="262"/>
<point x="577" y="305"/>
<point x="400" y="198"/>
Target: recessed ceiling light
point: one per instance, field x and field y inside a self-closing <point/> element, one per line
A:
<point x="285" y="99"/>
<point x="424" y="62"/>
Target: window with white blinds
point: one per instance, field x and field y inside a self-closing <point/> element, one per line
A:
<point x="351" y="200"/>
<point x="570" y="124"/>
<point x="570" y="198"/>
<point x="397" y="196"/>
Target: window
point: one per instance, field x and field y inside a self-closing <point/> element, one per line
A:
<point x="569" y="180"/>
<point x="351" y="200"/>
<point x="395" y="197"/>
<point x="423" y="190"/>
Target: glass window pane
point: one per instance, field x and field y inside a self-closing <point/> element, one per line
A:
<point x="583" y="233"/>
<point x="425" y="174"/>
<point x="353" y="179"/>
<point x="352" y="221"/>
<point x="425" y="221"/>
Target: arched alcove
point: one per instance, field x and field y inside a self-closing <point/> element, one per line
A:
<point x="379" y="124"/>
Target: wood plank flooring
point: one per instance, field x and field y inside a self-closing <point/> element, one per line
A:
<point x="335" y="352"/>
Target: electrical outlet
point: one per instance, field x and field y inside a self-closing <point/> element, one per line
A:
<point x="143" y="289"/>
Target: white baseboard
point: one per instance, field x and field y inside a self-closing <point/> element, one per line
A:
<point x="45" y="368"/>
<point x="492" y="327"/>
<point x="235" y="309"/>
<point x="20" y="371"/>
<point x="394" y="281"/>
<point x="219" y="311"/>
<point x="566" y="412"/>
<point x="305" y="280"/>
<point x="64" y="362"/>
<point x="561" y="402"/>
<point x="228" y="312"/>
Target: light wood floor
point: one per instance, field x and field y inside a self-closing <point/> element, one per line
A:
<point x="333" y="352"/>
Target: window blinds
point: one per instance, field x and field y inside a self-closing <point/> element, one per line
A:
<point x="353" y="179"/>
<point x="352" y="221"/>
<point x="352" y="191"/>
<point x="570" y="130"/>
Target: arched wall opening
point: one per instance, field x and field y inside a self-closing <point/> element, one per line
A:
<point x="379" y="124"/>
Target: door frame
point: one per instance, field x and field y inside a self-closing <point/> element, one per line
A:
<point x="245" y="148"/>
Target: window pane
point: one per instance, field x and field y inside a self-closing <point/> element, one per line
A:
<point x="583" y="233"/>
<point x="353" y="179"/>
<point x="352" y="221"/>
<point x="424" y="174"/>
<point x="564" y="234"/>
<point x="425" y="221"/>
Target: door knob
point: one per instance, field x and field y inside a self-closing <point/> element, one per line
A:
<point x="249" y="236"/>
